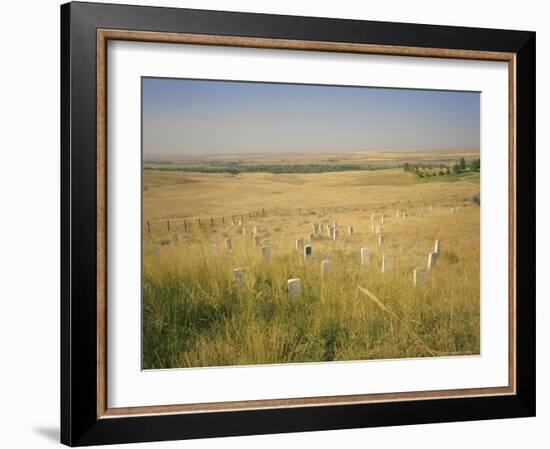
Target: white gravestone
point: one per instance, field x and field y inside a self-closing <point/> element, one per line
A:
<point x="397" y="213"/>
<point x="364" y="256"/>
<point x="308" y="252"/>
<point x="266" y="255"/>
<point x="294" y="287"/>
<point x="437" y="246"/>
<point x="254" y="229"/>
<point x="329" y="232"/>
<point x="257" y="240"/>
<point x="381" y="240"/>
<point x="419" y="277"/>
<point x="315" y="228"/>
<point x="350" y="230"/>
<point x="300" y="245"/>
<point x="228" y="243"/>
<point x="326" y="267"/>
<point x="383" y="219"/>
<point x="377" y="229"/>
<point x="387" y="263"/>
<point x="432" y="260"/>
<point x="335" y="234"/>
<point x="238" y="276"/>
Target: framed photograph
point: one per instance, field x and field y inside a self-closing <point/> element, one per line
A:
<point x="279" y="224"/>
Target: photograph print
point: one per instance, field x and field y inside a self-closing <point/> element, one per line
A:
<point x="298" y="223"/>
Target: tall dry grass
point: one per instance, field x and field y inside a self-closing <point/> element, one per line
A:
<point x="194" y="314"/>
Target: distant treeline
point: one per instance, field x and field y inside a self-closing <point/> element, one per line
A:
<point x="276" y="169"/>
<point x="461" y="166"/>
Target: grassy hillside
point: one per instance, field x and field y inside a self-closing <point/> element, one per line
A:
<point x="195" y="314"/>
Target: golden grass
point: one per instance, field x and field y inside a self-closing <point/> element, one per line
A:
<point x="195" y="315"/>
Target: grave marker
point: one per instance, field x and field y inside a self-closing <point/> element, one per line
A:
<point x="326" y="267"/>
<point x="238" y="276"/>
<point x="350" y="230"/>
<point x="381" y="240"/>
<point x="257" y="240"/>
<point x="383" y="219"/>
<point x="432" y="260"/>
<point x="335" y="234"/>
<point x="266" y="255"/>
<point x="387" y="263"/>
<point x="437" y="246"/>
<point x="364" y="256"/>
<point x="308" y="251"/>
<point x="294" y="287"/>
<point x="419" y="277"/>
<point x="254" y="229"/>
<point x="300" y="245"/>
<point x="228" y="243"/>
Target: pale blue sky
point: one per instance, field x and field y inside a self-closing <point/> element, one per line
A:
<point x="200" y="117"/>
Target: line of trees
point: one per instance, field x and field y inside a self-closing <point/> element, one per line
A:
<point x="459" y="167"/>
<point x="275" y="169"/>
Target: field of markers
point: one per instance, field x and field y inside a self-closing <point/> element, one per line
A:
<point x="260" y="268"/>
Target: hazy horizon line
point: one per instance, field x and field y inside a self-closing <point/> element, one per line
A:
<point x="327" y="152"/>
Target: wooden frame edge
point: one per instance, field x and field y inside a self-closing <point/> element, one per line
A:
<point x="103" y="36"/>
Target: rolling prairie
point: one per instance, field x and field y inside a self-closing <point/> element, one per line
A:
<point x="196" y="314"/>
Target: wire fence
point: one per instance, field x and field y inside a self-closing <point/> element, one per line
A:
<point x="191" y="222"/>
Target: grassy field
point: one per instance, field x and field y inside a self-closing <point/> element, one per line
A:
<point x="195" y="314"/>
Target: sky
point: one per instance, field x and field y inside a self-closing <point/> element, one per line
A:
<point x="203" y="117"/>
